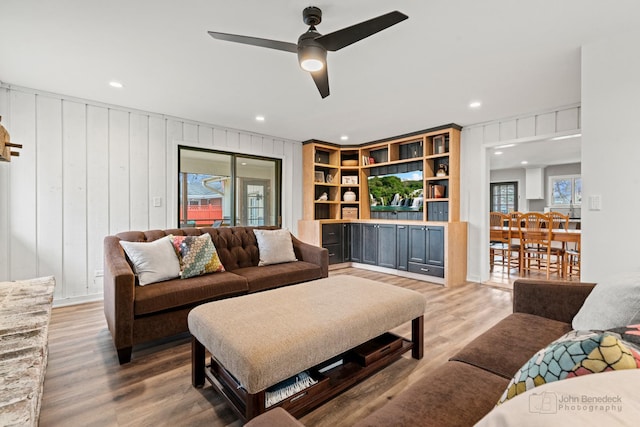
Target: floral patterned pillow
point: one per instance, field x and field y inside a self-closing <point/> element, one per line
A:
<point x="197" y="255"/>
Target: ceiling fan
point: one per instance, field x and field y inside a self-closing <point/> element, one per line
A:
<point x="312" y="46"/>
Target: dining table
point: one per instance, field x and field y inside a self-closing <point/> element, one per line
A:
<point x="557" y="235"/>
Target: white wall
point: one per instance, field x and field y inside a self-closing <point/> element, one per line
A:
<point x="611" y="155"/>
<point x="474" y="167"/>
<point x="88" y="170"/>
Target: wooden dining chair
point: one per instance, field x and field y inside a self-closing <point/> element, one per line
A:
<point x="498" y="241"/>
<point x="502" y="243"/>
<point x="560" y="221"/>
<point x="536" y="252"/>
<point x="572" y="260"/>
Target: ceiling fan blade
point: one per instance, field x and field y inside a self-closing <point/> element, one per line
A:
<point x="349" y="35"/>
<point x="255" y="41"/>
<point x="321" y="79"/>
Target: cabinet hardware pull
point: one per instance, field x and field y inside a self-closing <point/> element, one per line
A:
<point x="332" y="234"/>
<point x="424" y="269"/>
<point x="330" y="254"/>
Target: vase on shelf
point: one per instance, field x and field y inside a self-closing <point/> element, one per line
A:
<point x="442" y="170"/>
<point x="349" y="196"/>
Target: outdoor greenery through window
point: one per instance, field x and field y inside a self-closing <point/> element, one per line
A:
<point x="222" y="189"/>
<point x="504" y="197"/>
<point x="566" y="190"/>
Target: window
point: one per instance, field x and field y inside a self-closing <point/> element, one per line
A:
<point x="504" y="197"/>
<point x="565" y="190"/>
<point x="221" y="188"/>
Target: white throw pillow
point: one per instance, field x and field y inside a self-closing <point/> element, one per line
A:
<point x="153" y="261"/>
<point x="275" y="246"/>
<point x="612" y="304"/>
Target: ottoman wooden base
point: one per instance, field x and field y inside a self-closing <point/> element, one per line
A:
<point x="337" y="346"/>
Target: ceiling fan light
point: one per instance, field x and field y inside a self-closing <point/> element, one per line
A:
<point x="311" y="64"/>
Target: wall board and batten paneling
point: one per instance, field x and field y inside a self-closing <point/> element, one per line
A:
<point x="476" y="140"/>
<point x="88" y="170"/>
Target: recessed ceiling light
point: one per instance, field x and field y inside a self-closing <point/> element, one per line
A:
<point x="497" y="153"/>
<point x="115" y="84"/>
<point x="475" y="104"/>
<point x="344" y="137"/>
<point x="506" y="146"/>
<point x="243" y="164"/>
<point x="260" y="118"/>
<point x="524" y="162"/>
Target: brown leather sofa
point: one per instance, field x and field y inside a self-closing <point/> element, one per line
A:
<point x="136" y="314"/>
<point x="464" y="389"/>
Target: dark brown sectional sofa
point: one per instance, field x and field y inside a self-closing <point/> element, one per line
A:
<point x="136" y="314"/>
<point x="467" y="387"/>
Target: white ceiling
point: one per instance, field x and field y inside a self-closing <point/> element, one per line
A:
<point x="515" y="56"/>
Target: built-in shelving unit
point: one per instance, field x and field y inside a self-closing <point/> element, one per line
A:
<point x="430" y="208"/>
<point x="335" y="170"/>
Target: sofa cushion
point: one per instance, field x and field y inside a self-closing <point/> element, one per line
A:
<point x="273" y="276"/>
<point x="275" y="246"/>
<point x="454" y="394"/>
<point x="178" y="293"/>
<point x="197" y="255"/>
<point x="152" y="261"/>
<point x="504" y="348"/>
<point x="236" y="246"/>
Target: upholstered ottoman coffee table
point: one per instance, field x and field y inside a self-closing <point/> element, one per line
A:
<point x="298" y="346"/>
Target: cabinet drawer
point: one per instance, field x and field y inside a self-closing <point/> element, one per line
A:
<point x="427" y="269"/>
<point x="331" y="234"/>
<point x="335" y="253"/>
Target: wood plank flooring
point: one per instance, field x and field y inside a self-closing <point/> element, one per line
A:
<point x="85" y="385"/>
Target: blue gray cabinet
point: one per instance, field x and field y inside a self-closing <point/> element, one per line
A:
<point x="370" y="244"/>
<point x="387" y="245"/>
<point x="402" y="238"/>
<point x="426" y="250"/>
<point x="332" y="241"/>
<point x="355" y="232"/>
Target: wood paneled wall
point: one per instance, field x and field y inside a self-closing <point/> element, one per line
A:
<point x="88" y="170"/>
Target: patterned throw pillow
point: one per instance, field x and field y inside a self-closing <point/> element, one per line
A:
<point x="574" y="354"/>
<point x="197" y="255"/>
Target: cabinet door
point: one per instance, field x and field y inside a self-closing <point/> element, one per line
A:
<point x="417" y="244"/>
<point x="369" y="244"/>
<point x="402" y="233"/>
<point x="346" y="242"/>
<point x="331" y="234"/>
<point x="435" y="246"/>
<point x="387" y="245"/>
<point x="356" y="242"/>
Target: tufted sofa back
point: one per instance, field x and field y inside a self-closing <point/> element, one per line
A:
<point x="237" y="246"/>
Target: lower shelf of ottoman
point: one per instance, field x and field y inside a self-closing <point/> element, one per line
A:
<point x="356" y="365"/>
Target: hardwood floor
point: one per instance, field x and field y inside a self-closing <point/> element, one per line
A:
<point x="85" y="385"/>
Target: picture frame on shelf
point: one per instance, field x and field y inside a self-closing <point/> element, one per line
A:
<point x="319" y="176"/>
<point x="350" y="180"/>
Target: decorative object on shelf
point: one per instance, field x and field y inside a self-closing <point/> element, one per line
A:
<point x="372" y="161"/>
<point x="350" y="179"/>
<point x="323" y="197"/>
<point x="349" y="163"/>
<point x="349" y="196"/>
<point x="329" y="178"/>
<point x="6" y="145"/>
<point x="442" y="170"/>
<point x="438" y="191"/>
<point x="319" y="176"/>
<point x="438" y="144"/>
<point x="349" y="213"/>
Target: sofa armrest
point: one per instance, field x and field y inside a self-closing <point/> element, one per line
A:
<point x="119" y="293"/>
<point x="548" y="298"/>
<point x="312" y="254"/>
